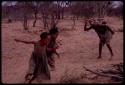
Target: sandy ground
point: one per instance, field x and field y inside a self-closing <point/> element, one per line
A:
<point x="78" y="48"/>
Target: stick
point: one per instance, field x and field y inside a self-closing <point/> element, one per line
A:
<point x="110" y="71"/>
<point x="105" y="75"/>
<point x="57" y="54"/>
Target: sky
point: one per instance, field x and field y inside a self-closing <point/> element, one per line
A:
<point x="4" y="2"/>
<point x="115" y="3"/>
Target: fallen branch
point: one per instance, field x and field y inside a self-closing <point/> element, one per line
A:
<point x="119" y="67"/>
<point x="104" y="75"/>
<point x="110" y="71"/>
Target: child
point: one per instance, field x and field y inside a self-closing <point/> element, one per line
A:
<point x="52" y="46"/>
<point x="38" y="61"/>
<point x="105" y="34"/>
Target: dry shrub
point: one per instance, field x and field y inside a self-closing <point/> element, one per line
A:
<point x="72" y="75"/>
<point x="120" y="30"/>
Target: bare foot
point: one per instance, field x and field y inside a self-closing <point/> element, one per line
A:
<point x="53" y="69"/>
<point x="110" y="58"/>
<point x="99" y="57"/>
<point x="112" y="55"/>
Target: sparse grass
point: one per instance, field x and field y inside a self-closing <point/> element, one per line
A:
<point x="74" y="42"/>
<point x="120" y="30"/>
<point x="71" y="77"/>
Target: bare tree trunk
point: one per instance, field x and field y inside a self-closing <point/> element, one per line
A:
<point x="52" y="20"/>
<point x="9" y="20"/>
<point x="58" y="15"/>
<point x="77" y="17"/>
<point x="99" y="11"/>
<point x="102" y="8"/>
<point x="25" y="24"/>
<point x="73" y="26"/>
<point x="34" y="23"/>
<point x="62" y="13"/>
<point x="45" y="21"/>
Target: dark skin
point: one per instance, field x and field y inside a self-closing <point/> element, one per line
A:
<point x="42" y="43"/>
<point x="26" y="42"/>
<point x="99" y="31"/>
<point x="54" y="37"/>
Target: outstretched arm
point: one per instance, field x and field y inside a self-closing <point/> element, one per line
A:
<point x="110" y="30"/>
<point x="26" y="42"/>
<point x="85" y="27"/>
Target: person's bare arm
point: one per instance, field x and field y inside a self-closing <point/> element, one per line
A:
<point x="110" y="30"/>
<point x="26" y="42"/>
<point x="85" y="27"/>
<point x="52" y="49"/>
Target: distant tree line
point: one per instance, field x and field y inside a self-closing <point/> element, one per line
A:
<point x="51" y="12"/>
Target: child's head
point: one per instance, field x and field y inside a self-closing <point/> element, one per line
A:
<point x="104" y="22"/>
<point x="54" y="32"/>
<point x="44" y="37"/>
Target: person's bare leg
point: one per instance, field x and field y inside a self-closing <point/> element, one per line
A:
<point x="110" y="49"/>
<point x="29" y="78"/>
<point x="101" y="44"/>
<point x="32" y="79"/>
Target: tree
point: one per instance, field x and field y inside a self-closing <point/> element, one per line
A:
<point x="36" y="11"/>
<point x="44" y="11"/>
<point x="102" y="8"/>
<point x="25" y="9"/>
<point x="49" y="14"/>
<point x="115" y="11"/>
<point x="8" y="9"/>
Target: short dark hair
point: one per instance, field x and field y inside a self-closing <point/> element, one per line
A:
<point x="43" y="35"/>
<point x="53" y="30"/>
<point x="104" y="22"/>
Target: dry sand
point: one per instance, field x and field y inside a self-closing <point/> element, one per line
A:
<point x="78" y="48"/>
